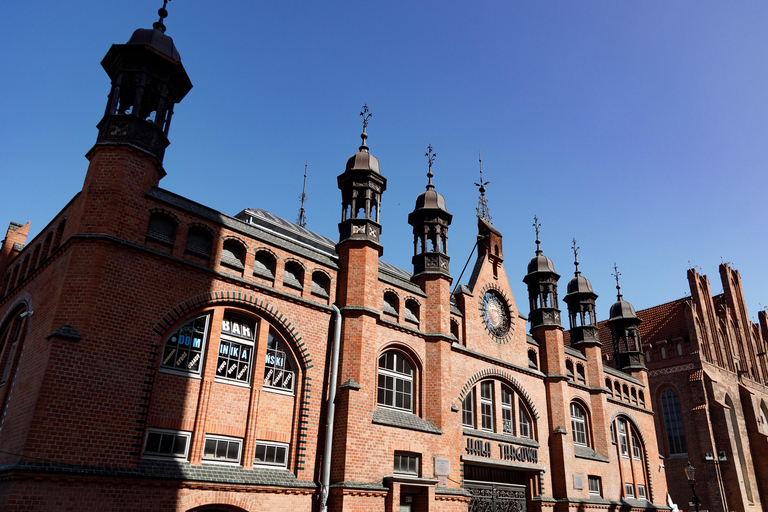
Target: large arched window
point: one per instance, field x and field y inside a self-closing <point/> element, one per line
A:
<point x="579" y="425"/>
<point x="184" y="349"/>
<point x="395" y="381"/>
<point x="673" y="422"/>
<point x="481" y="405"/>
<point x="279" y="372"/>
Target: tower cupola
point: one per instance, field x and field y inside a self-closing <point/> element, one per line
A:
<point x="430" y="220"/>
<point x="542" y="287"/>
<point x="148" y="79"/>
<point x="581" y="307"/>
<point x="361" y="186"/>
<point x="625" y="331"/>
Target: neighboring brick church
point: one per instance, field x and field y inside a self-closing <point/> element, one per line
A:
<point x="160" y="355"/>
<point x="709" y="386"/>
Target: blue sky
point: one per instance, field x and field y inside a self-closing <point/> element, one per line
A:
<point x="639" y="128"/>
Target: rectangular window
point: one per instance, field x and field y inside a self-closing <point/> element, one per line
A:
<point x="641" y="491"/>
<point x="468" y="410"/>
<point x="222" y="449"/>
<point x="486" y="405"/>
<point x="167" y="443"/>
<point x="636" y="452"/>
<point x="525" y="424"/>
<point x="271" y="454"/>
<point x="594" y="485"/>
<point x="629" y="490"/>
<point x="236" y="349"/>
<point x="623" y="443"/>
<point x="406" y="464"/>
<point x="507" y="421"/>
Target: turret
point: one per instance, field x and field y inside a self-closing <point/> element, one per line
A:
<point x="361" y="187"/>
<point x="148" y="79"/>
<point x="430" y="220"/>
<point x="542" y="287"/>
<point x="625" y="332"/>
<point x="581" y="307"/>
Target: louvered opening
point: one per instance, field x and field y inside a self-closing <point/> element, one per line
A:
<point x="320" y="285"/>
<point x="264" y="265"/>
<point x="294" y="276"/>
<point x="390" y="304"/>
<point x="412" y="312"/>
<point x="161" y="228"/>
<point x="232" y="255"/>
<point x="199" y="242"/>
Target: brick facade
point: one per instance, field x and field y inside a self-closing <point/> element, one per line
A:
<point x="159" y="354"/>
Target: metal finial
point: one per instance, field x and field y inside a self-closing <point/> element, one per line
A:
<point x="575" y="256"/>
<point x="163" y="13"/>
<point x="431" y="159"/>
<point x="366" y="115"/>
<point x="482" y="204"/>
<point x="302" y="220"/>
<point x="616" y="274"/>
<point x="536" y="226"/>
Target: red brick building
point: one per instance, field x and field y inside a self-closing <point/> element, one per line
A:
<point x="708" y="383"/>
<point x="157" y="354"/>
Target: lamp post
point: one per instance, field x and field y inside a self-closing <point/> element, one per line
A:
<point x="690" y="472"/>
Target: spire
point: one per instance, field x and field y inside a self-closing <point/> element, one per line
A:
<point x="158" y="25"/>
<point x="482" y="204"/>
<point x="616" y="274"/>
<point x="366" y="115"/>
<point x="302" y="220"/>
<point x="431" y="159"/>
<point x="575" y="257"/>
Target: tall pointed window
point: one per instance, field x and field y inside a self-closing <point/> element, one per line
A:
<point x="486" y="404"/>
<point x="673" y="422"/>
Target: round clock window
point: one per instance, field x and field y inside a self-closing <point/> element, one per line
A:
<point x="495" y="314"/>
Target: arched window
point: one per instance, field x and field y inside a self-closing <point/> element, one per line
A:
<point x="395" y="381"/>
<point x="486" y="405"/>
<point x="618" y="390"/>
<point x="199" y="241"/>
<point x="481" y="406"/>
<point x="320" y="284"/>
<point x="680" y="350"/>
<point x="608" y="386"/>
<point x="626" y="392"/>
<point x="233" y="255"/>
<point x="580" y="373"/>
<point x="264" y="265"/>
<point x="533" y="361"/>
<point x="507" y="410"/>
<point x="641" y="397"/>
<point x="455" y="330"/>
<point x="634" y="396"/>
<point x="294" y="275"/>
<point x="569" y="369"/>
<point x="184" y="349"/>
<point x="391" y="304"/>
<point x="412" y="311"/>
<point x="161" y="228"/>
<point x="673" y="422"/>
<point x="579" y="425"/>
<point x="279" y="370"/>
<point x="663" y="352"/>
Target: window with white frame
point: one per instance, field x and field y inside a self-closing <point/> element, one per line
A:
<point x="406" y="464"/>
<point x="637" y="452"/>
<point x="629" y="490"/>
<point x="507" y="411"/>
<point x="236" y="349"/>
<point x="222" y="449"/>
<point x="184" y="349"/>
<point x="525" y="424"/>
<point x="468" y="410"/>
<point x="486" y="405"/>
<point x="595" y="485"/>
<point x="641" y="492"/>
<point x="395" y="381"/>
<point x="279" y="373"/>
<point x="578" y="424"/>
<point x="623" y="441"/>
<point x="173" y="444"/>
<point x="271" y="454"/>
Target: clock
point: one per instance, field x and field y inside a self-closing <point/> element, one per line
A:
<point x="495" y="314"/>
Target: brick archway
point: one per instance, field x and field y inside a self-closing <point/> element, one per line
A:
<point x="502" y="375"/>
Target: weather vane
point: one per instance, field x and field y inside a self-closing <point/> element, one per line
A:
<point x="302" y="220"/>
<point x="482" y="204"/>
<point x="431" y="159"/>
<point x="616" y="274"/>
<point x="366" y="115"/>
<point x="575" y="255"/>
<point x="536" y="226"/>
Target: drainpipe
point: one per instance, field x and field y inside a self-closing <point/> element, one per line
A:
<point x="331" y="410"/>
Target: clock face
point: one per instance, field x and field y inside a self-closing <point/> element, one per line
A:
<point x="495" y="314"/>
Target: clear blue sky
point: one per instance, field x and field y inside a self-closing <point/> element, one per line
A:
<point x="639" y="128"/>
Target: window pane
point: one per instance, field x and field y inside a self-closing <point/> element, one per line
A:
<point x="166" y="443"/>
<point x="210" y="448"/>
<point x="233" y="451"/>
<point x="221" y="449"/>
<point x="261" y="453"/>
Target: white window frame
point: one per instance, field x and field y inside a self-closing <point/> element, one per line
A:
<point x="217" y="439"/>
<point x="289" y="366"/>
<point x="623" y="439"/>
<point x="276" y="445"/>
<point x="486" y="406"/>
<point x="167" y="432"/>
<point x="525" y="424"/>
<point x="641" y="494"/>
<point x="468" y="409"/>
<point x="507" y="411"/>
<point x="407" y="380"/>
<point x="637" y="452"/>
<point x="629" y="490"/>
<point x="579" y="425"/>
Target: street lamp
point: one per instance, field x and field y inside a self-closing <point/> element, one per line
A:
<point x="690" y="472"/>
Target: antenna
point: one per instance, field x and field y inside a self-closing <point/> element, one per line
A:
<point x="302" y="220"/>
